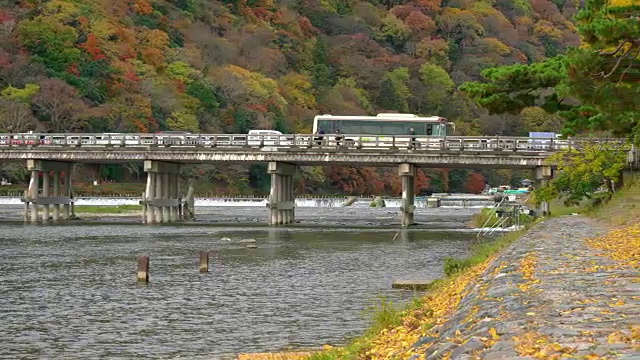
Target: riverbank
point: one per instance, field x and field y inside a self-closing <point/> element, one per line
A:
<point x="568" y="287"/>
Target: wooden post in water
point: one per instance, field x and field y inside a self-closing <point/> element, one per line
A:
<point x="143" y="269"/>
<point x="204" y="261"/>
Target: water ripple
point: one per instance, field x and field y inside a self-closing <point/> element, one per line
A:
<point x="70" y="291"/>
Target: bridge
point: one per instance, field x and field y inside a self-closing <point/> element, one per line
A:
<point x="164" y="154"/>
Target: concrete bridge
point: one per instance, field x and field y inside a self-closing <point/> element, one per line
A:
<point x="164" y="154"/>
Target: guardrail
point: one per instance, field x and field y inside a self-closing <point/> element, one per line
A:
<point x="293" y="141"/>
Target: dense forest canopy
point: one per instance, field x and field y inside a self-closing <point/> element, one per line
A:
<point x="231" y="66"/>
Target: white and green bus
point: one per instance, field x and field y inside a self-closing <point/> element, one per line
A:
<point x="397" y="126"/>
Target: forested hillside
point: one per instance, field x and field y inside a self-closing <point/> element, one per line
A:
<point x="231" y="66"/>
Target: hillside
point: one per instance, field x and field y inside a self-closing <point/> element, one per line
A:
<point x="230" y="66"/>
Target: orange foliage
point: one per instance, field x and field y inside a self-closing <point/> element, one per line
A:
<point x="140" y="126"/>
<point x="429" y="5"/>
<point x="153" y="56"/>
<point x="475" y="183"/>
<point x="420" y="22"/>
<point x="142" y="7"/>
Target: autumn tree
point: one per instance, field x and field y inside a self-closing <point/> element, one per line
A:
<point x="60" y="106"/>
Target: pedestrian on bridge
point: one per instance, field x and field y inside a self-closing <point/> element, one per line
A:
<point x="319" y="139"/>
<point x="412" y="144"/>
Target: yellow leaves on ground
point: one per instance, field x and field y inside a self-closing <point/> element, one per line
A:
<point x="622" y="245"/>
<point x="438" y="306"/>
<point x="275" y="356"/>
<point x="528" y="267"/>
<point x="540" y="347"/>
<point x="628" y="336"/>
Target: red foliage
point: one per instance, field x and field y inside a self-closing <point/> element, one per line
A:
<point x="91" y="47"/>
<point x="180" y="87"/>
<point x="356" y="180"/>
<point x="307" y="28"/>
<point x="262" y="13"/>
<point x="475" y="183"/>
<point x="258" y="108"/>
<point x="394" y="182"/>
<point x="421" y="182"/>
<point x="73" y="69"/>
<point x="5" y="17"/>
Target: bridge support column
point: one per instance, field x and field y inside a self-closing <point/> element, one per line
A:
<point x="542" y="175"/>
<point x="407" y="173"/>
<point x="282" y="198"/>
<point x="51" y="194"/>
<point x="161" y="199"/>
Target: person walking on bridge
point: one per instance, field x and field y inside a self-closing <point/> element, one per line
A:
<point x="412" y="143"/>
<point x="319" y="139"/>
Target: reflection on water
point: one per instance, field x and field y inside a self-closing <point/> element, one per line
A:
<point x="70" y="291"/>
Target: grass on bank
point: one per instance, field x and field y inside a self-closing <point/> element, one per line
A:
<point x="622" y="209"/>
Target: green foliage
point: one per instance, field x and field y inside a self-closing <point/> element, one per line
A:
<point x="51" y="42"/>
<point x="204" y="93"/>
<point x="439" y="83"/>
<point x="181" y="71"/>
<point x="481" y="252"/>
<point x="384" y="315"/>
<point x="581" y="173"/>
<point x="510" y="89"/>
<point x="22" y="95"/>
<point x="183" y="120"/>
<point x="394" y="91"/>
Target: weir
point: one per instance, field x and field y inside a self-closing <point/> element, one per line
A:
<point x="282" y="198"/>
<point x="161" y="202"/>
<point x="52" y="191"/>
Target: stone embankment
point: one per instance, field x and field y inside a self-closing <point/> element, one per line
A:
<point x="562" y="290"/>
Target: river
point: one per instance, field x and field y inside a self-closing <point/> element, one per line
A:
<point x="69" y="291"/>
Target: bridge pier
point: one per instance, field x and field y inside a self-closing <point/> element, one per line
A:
<point x="542" y="175"/>
<point x="161" y="201"/>
<point x="282" y="198"/>
<point x="54" y="191"/>
<point x="407" y="173"/>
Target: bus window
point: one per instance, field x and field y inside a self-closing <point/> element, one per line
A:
<point x="430" y="129"/>
<point x="350" y="127"/>
<point x="329" y="126"/>
<point x="371" y="127"/>
<point x="393" y="128"/>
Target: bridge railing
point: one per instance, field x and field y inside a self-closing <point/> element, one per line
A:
<point x="315" y="141"/>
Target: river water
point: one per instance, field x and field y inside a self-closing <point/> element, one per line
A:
<point x="69" y="291"/>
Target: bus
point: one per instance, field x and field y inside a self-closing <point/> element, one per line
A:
<point x="383" y="124"/>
